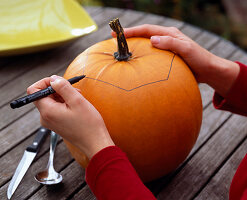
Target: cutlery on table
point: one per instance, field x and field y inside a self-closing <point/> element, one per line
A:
<point x="26" y="160"/>
<point x="49" y="176"/>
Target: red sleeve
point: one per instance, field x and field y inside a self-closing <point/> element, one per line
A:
<point x="111" y="176"/>
<point x="236" y="102"/>
<point x="236" y="99"/>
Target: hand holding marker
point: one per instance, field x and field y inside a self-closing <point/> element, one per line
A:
<point x="40" y="94"/>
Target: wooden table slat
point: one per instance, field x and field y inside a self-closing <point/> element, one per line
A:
<point x="18" y="131"/>
<point x="28" y="184"/>
<point x="10" y="160"/>
<point x="240" y="56"/>
<point x="149" y="19"/>
<point x="191" y="31"/>
<point x="72" y="179"/>
<point x="218" y="187"/>
<point x="224" y="49"/>
<point x="206" y="94"/>
<point x="207" y="40"/>
<point x="92" y="10"/>
<point x="169" y="22"/>
<point x="85" y="194"/>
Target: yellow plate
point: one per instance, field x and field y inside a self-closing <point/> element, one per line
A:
<point x="34" y="25"/>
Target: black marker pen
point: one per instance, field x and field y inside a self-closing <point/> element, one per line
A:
<point x="40" y="94"/>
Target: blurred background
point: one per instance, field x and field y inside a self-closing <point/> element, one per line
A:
<point x="227" y="18"/>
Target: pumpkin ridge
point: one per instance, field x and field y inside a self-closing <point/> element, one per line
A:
<point x="96" y="62"/>
<point x="129" y="90"/>
<point x="102" y="53"/>
<point x="103" y="68"/>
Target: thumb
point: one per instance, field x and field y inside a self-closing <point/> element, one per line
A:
<point x="168" y="43"/>
<point x="64" y="89"/>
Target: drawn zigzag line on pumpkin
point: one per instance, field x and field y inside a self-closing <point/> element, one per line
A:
<point x="166" y="79"/>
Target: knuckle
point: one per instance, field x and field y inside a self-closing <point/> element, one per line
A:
<point x="64" y="85"/>
<point x="188" y="47"/>
<point x="29" y="90"/>
<point x="174" y="30"/>
<point x="169" y="40"/>
<point x="77" y="100"/>
<point x="146" y="27"/>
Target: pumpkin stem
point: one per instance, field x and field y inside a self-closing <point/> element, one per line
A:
<point x="123" y="53"/>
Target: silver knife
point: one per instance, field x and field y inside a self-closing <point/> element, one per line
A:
<point x="26" y="160"/>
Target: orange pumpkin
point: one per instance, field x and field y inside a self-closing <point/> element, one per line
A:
<point x="148" y="98"/>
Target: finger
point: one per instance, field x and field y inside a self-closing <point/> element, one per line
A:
<point x="65" y="90"/>
<point x="39" y="85"/>
<point x="148" y="30"/>
<point x="170" y="43"/>
<point x="44" y="102"/>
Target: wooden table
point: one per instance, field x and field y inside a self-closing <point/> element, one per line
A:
<point x="208" y="170"/>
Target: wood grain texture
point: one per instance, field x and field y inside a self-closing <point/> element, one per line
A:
<point x="10" y="160"/>
<point x="18" y="131"/>
<point x="173" y="23"/>
<point x="224" y="49"/>
<point x="207" y="39"/>
<point x="240" y="56"/>
<point x="206" y="94"/>
<point x="72" y="178"/>
<point x="85" y="194"/>
<point x="191" y="31"/>
<point x="219" y="185"/>
<point x="28" y="184"/>
<point x="150" y="19"/>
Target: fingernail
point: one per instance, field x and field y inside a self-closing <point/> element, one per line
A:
<point x="155" y="39"/>
<point x="53" y="78"/>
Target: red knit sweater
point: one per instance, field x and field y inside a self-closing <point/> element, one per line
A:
<point x="111" y="176"/>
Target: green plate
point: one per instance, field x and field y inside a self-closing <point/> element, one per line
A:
<point x="33" y="25"/>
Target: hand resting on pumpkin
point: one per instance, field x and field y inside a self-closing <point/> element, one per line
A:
<point x="208" y="68"/>
<point x="70" y="115"/>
